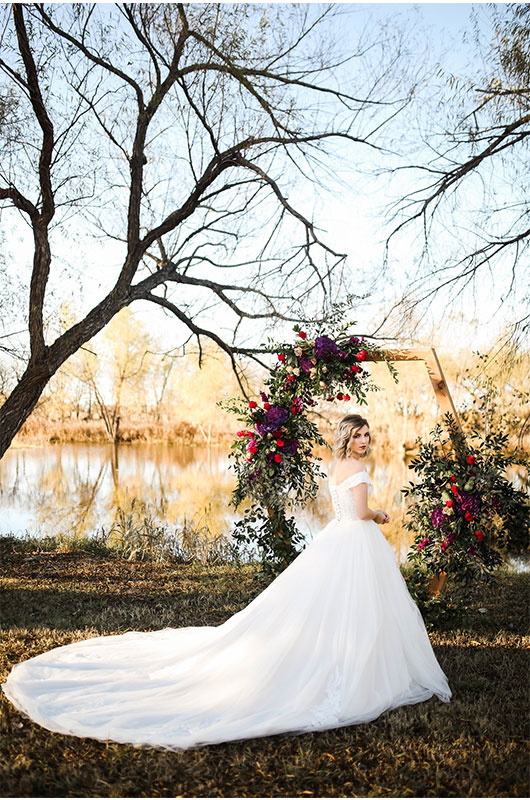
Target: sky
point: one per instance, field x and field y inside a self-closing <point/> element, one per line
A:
<point x="349" y="217"/>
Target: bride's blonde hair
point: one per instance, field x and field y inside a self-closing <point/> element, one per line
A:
<point x="345" y="430"/>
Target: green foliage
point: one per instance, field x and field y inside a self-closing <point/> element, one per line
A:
<point x="464" y="511"/>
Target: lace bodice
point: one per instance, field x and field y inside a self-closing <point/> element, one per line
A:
<point x="343" y="500"/>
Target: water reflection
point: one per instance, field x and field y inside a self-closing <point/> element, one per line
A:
<point x="78" y="488"/>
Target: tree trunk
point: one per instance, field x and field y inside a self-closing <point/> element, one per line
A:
<point x="21" y="403"/>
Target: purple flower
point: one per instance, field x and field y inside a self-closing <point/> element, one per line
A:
<point x="305" y="363"/>
<point x="438" y="517"/>
<point x="263" y="397"/>
<point x="354" y="340"/>
<point x="465" y="502"/>
<point x="325" y="347"/>
<point x="274" y="419"/>
<point x="290" y="447"/>
<point x="254" y="475"/>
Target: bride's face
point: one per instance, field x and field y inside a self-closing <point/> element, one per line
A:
<point x="359" y="441"/>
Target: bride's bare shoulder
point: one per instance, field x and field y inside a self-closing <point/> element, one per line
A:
<point x="344" y="468"/>
<point x="354" y="465"/>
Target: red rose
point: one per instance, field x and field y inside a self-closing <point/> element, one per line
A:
<point x="329" y="399"/>
<point x="361" y="355"/>
<point x="277" y="434"/>
<point x="252" y="449"/>
<point x="281" y="357"/>
<point x="302" y="335"/>
<point x="277" y="457"/>
<point x="355" y="368"/>
<point x="471" y="459"/>
<point x="470" y="474"/>
<point x="294" y="410"/>
<point x="290" y="378"/>
<point x="346" y="397"/>
<point x="340" y="396"/>
<point x="479" y="535"/>
<point x="280" y="443"/>
<point x="454" y="489"/>
<point x="252" y="404"/>
<point x="449" y="503"/>
<point x="266" y="406"/>
<point x="453" y="478"/>
<point x="468" y="516"/>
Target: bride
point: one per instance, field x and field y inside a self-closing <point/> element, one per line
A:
<point x="334" y="640"/>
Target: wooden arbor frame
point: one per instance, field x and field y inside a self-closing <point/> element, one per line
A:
<point x="435" y="372"/>
<point x="445" y="401"/>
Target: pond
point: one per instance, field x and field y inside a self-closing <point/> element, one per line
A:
<point x="80" y="488"/>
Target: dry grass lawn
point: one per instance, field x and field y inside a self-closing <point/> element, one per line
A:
<point x="476" y="746"/>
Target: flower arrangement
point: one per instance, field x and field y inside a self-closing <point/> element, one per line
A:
<point x="273" y="452"/>
<point x="464" y="511"/>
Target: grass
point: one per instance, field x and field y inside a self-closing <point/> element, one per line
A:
<point x="476" y="746"/>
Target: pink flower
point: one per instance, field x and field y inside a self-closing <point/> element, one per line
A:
<point x="422" y="544"/>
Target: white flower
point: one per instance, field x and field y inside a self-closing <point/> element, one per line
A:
<point x="298" y="351"/>
<point x="296" y="371"/>
<point x="322" y="385"/>
<point x="324" y="369"/>
<point x="312" y="372"/>
<point x="313" y="361"/>
<point x="289" y="370"/>
<point x="312" y="342"/>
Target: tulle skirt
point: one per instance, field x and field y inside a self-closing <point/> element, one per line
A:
<point x="334" y="640"/>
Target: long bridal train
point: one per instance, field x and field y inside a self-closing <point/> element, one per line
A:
<point x="334" y="640"/>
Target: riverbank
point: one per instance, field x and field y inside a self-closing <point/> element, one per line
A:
<point x="474" y="746"/>
<point x="37" y="432"/>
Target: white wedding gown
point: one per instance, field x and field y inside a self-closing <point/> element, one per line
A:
<point x="334" y="640"/>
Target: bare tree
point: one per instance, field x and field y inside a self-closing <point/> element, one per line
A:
<point x="469" y="200"/>
<point x="176" y="132"/>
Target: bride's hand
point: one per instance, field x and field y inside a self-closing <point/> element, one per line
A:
<point x="381" y="517"/>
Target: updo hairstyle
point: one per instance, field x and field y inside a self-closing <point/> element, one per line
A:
<point x="345" y="431"/>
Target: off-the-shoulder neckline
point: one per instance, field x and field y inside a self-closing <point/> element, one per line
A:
<point x="359" y="472"/>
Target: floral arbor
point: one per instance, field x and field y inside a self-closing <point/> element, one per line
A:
<point x="462" y="508"/>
